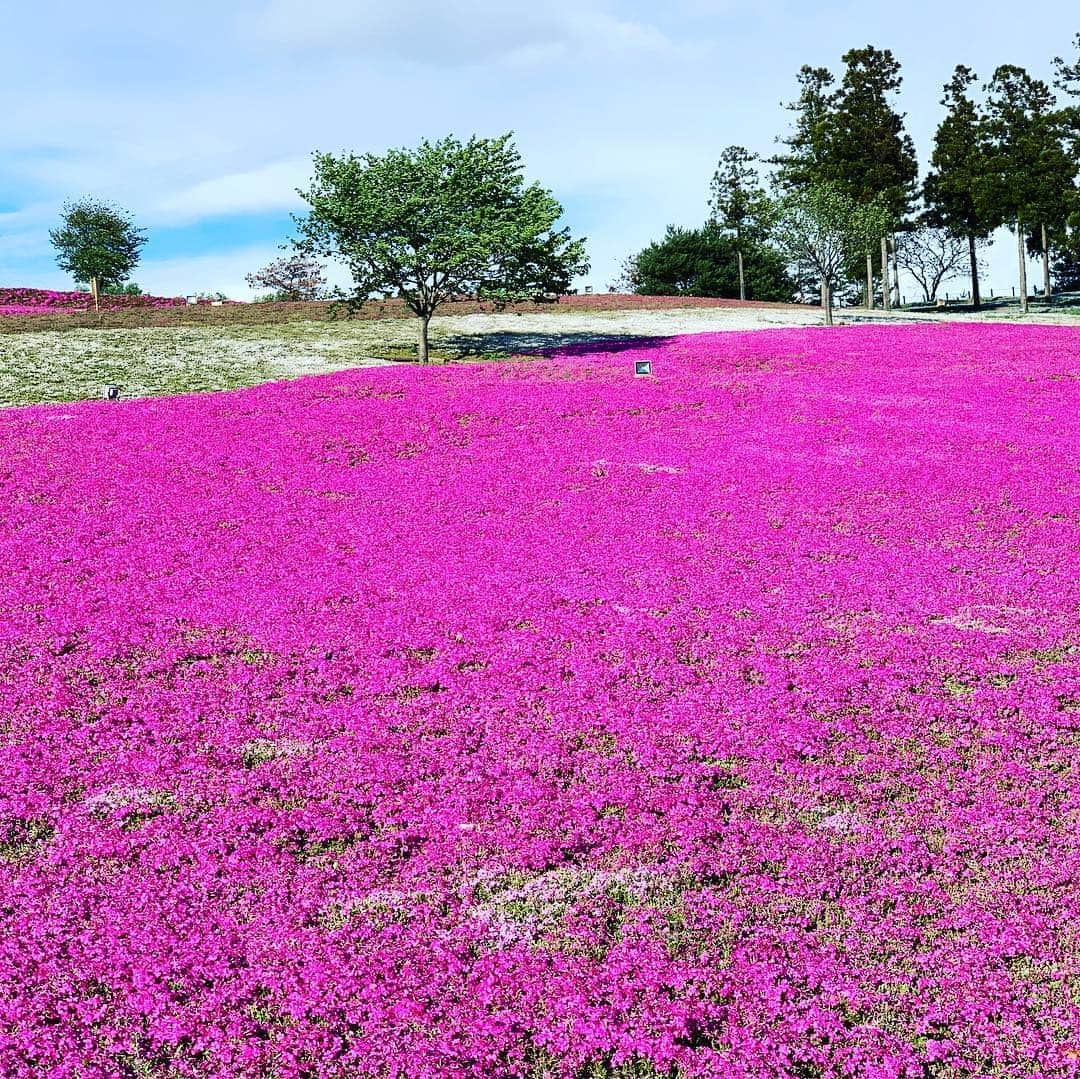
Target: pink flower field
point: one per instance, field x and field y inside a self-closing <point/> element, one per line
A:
<point x="36" y="301"/>
<point x="539" y="720"/>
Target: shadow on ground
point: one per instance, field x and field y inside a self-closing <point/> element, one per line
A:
<point x="493" y="345"/>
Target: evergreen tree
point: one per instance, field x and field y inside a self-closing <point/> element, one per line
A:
<point x="808" y="158"/>
<point x="1032" y="174"/>
<point x="739" y="205"/>
<point x="853" y="139"/>
<point x="872" y="157"/>
<point x="956" y="191"/>
<point x="702" y="262"/>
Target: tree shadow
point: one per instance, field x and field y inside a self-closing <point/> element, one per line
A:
<point x="497" y="345"/>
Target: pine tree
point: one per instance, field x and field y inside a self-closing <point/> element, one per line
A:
<point x="1033" y="175"/>
<point x="956" y="190"/>
<point x="739" y="205"/>
<point x="853" y="139"/>
<point x="809" y="157"/>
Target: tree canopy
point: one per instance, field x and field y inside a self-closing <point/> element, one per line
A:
<point x="704" y="262"/>
<point x="444" y="221"/>
<point x="851" y="136"/>
<point x="739" y="204"/>
<point x="958" y="190"/>
<point x="97" y="243"/>
<point x="1032" y="173"/>
<point x="822" y="229"/>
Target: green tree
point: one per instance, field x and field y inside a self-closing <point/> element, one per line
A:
<point x="958" y="194"/>
<point x="740" y="207"/>
<point x="823" y="228"/>
<point x="98" y="244"/>
<point x="702" y="262"/>
<point x="853" y="139"/>
<point x="1066" y="268"/>
<point x="1033" y="175"/>
<point x="443" y="221"/>
<point x="809" y="154"/>
<point x="872" y="158"/>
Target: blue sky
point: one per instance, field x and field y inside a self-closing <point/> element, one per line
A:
<point x="201" y="117"/>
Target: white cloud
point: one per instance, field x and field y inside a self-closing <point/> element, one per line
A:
<point x="466" y="33"/>
<point x="265" y="189"/>
<point x="220" y="272"/>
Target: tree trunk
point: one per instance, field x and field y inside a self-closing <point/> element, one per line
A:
<point x="896" y="273"/>
<point x="1023" y="267"/>
<point x="826" y="301"/>
<point x="742" y="277"/>
<point x="422" y="350"/>
<point x="1046" y="265"/>
<point x="886" y="295"/>
<point x="95" y="292"/>
<point x="975" y="301"/>
<point x="869" y="281"/>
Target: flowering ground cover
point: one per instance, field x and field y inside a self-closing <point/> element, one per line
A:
<point x="36" y="301"/>
<point x="539" y="720"/>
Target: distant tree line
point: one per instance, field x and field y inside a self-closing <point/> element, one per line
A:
<point x="844" y="208"/>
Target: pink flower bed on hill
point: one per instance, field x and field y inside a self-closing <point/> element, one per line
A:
<point x="36" y="301"/>
<point x="513" y="720"/>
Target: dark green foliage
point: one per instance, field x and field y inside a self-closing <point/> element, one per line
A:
<point x="1032" y="173"/>
<point x="738" y="203"/>
<point x="448" y="220"/>
<point x="851" y="137"/>
<point x="872" y="156"/>
<point x="1066" y="266"/>
<point x="97" y="242"/>
<point x="958" y="191"/>
<point x="809" y="145"/>
<point x="704" y="262"/>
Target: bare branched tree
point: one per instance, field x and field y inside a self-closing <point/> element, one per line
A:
<point x="933" y="256"/>
<point x="294" y="278"/>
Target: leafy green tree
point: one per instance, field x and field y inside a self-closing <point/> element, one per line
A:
<point x="98" y="244"/>
<point x="441" y="222"/>
<point x="823" y="228"/>
<point x="740" y="207"/>
<point x="1032" y="173"/>
<point x="703" y="262"/>
<point x="958" y="192"/>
